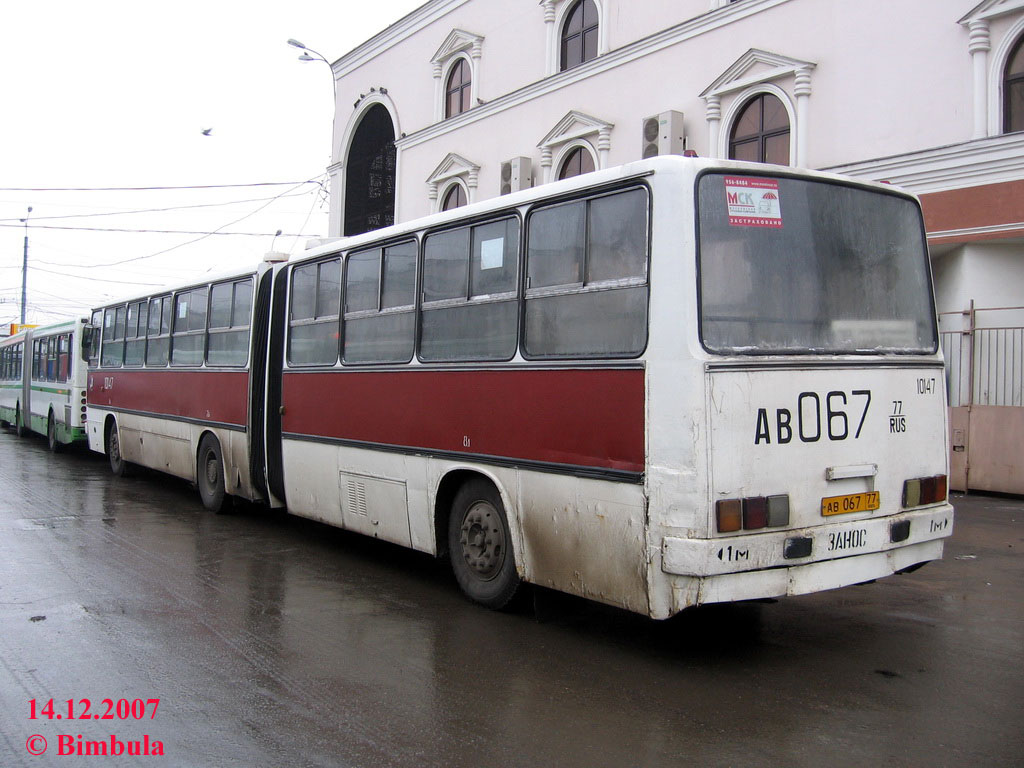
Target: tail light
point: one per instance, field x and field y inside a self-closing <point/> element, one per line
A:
<point x="752" y="513"/>
<point x="923" y="491"/>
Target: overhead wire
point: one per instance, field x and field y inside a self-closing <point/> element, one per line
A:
<point x="158" y="188"/>
<point x="131" y="212"/>
<point x="146" y="231"/>
<point x="202" y="235"/>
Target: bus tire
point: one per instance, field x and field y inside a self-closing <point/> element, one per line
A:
<point x="210" y="474"/>
<point x="52" y="441"/>
<point x="19" y="428"/>
<point x="118" y="465"/>
<point x="480" y="545"/>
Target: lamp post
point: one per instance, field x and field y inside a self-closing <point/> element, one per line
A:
<point x="307" y="51"/>
<point x="24" y="266"/>
<point x="308" y="54"/>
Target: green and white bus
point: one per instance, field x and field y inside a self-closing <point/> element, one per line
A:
<point x="42" y="382"/>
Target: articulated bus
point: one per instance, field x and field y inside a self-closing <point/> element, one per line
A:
<point x="675" y="382"/>
<point x="42" y="382"/>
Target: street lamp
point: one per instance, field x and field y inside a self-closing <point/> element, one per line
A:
<point x="306" y="53"/>
<point x="24" y="266"/>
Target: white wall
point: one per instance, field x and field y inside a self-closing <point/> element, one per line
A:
<point x="888" y="78"/>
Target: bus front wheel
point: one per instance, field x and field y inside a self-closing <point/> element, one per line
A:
<point x="210" y="474"/>
<point x="118" y="465"/>
<point x="480" y="545"/>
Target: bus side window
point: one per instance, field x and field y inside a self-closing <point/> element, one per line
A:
<point x="63" y="358"/>
<point x="380" y="288"/>
<point x="469" y="307"/>
<point x="315" y="302"/>
<point x="135" y="334"/>
<point x="113" y="338"/>
<point x="188" y="333"/>
<point x="230" y="307"/>
<point x="587" y="277"/>
<point x="158" y="330"/>
<point x="51" y="359"/>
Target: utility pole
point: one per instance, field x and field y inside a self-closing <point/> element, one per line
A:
<point x="24" y="267"/>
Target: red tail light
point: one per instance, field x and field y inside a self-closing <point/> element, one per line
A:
<point x="755" y="513"/>
<point x="752" y="513"/>
<point x="922" y="491"/>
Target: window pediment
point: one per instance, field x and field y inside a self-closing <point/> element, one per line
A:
<point x="452" y="167"/>
<point x="458" y="41"/>
<point x="754" y="67"/>
<point x="990" y="9"/>
<point x="575" y="125"/>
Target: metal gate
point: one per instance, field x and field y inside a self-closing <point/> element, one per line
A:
<point x="984" y="351"/>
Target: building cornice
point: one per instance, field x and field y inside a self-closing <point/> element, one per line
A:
<point x="380" y="43"/>
<point x="984" y="161"/>
<point x="666" y="38"/>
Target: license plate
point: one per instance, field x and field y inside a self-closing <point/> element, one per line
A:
<point x="851" y="502"/>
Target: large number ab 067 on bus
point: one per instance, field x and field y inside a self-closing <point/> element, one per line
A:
<point x="675" y="382"/>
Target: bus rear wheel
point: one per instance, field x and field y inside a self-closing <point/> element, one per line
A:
<point x="480" y="546"/>
<point x="210" y="474"/>
<point x="52" y="441"/>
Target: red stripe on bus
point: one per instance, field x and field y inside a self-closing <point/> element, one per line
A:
<point x="220" y="396"/>
<point x="591" y="418"/>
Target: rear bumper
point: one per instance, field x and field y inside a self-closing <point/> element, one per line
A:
<point x="842" y="553"/>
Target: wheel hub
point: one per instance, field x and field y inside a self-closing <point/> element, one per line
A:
<point x="483" y="540"/>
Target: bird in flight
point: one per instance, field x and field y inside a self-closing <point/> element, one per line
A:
<point x="207" y="131"/>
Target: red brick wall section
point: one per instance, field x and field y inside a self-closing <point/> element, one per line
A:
<point x="984" y="206"/>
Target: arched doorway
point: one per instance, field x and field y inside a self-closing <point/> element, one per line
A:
<point x="370" y="174"/>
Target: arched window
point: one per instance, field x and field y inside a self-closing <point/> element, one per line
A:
<point x="1013" y="90"/>
<point x="577" y="162"/>
<point x="457" y="92"/>
<point x="579" y="34"/>
<point x="370" y="173"/>
<point x="760" y="133"/>
<point x="455" y="197"/>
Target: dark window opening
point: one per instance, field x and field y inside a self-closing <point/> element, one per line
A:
<point x="1013" y="90"/>
<point x="458" y="90"/>
<point x="370" y="174"/>
<point x="455" y="197"/>
<point x="578" y="162"/>
<point x="760" y="134"/>
<point x="579" y="35"/>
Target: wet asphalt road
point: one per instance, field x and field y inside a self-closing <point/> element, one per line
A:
<point x="272" y="641"/>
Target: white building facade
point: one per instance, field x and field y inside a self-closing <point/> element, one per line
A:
<point x="463" y="100"/>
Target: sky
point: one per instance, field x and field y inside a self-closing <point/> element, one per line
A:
<point x="104" y="96"/>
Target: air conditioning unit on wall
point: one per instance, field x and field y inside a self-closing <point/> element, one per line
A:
<point x="663" y="134"/>
<point x="516" y="174"/>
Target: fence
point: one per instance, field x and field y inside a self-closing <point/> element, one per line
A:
<point x="984" y="351"/>
<point x="984" y="360"/>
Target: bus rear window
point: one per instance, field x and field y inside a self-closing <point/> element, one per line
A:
<point x="796" y="266"/>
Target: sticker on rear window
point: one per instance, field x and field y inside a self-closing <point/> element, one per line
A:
<point x="753" y="202"/>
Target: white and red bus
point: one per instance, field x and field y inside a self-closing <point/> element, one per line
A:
<point x="679" y="381"/>
<point x="42" y="382"/>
